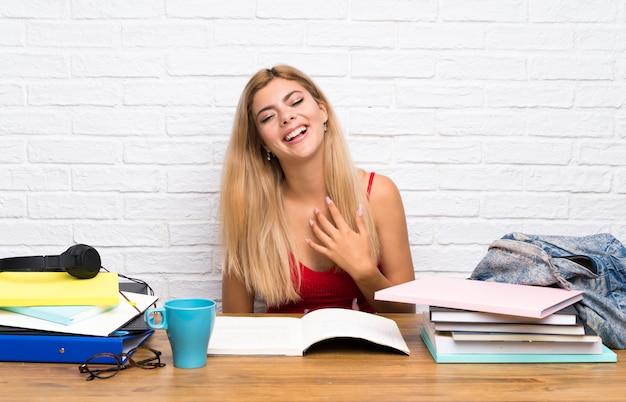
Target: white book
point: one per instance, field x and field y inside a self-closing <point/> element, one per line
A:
<point x="444" y="342"/>
<point x="103" y="324"/>
<point x="509" y="328"/>
<point x="566" y="316"/>
<point x="524" y="337"/>
<point x="292" y="336"/>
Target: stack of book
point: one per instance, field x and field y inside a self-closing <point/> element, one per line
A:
<point x="489" y="322"/>
<point x="464" y="336"/>
<point x="53" y="317"/>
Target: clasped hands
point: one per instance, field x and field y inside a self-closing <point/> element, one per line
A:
<point x="348" y="249"/>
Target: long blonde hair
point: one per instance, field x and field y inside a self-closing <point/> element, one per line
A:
<point x="257" y="243"/>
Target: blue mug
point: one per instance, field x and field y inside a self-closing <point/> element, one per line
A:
<point x="189" y="324"/>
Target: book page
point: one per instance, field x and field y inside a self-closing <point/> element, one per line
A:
<point x="331" y="323"/>
<point x="256" y="336"/>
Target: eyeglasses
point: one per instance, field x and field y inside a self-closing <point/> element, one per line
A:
<point x="106" y="365"/>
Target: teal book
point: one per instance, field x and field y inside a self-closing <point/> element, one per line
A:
<point x="66" y="315"/>
<point x="607" y="356"/>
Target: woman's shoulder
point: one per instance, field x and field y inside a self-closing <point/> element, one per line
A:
<point x="381" y="187"/>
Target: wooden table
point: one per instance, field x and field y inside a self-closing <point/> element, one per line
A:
<point x="345" y="372"/>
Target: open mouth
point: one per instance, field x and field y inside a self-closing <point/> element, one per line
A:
<point x="295" y="133"/>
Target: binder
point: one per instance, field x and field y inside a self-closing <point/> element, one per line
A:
<point x="49" y="347"/>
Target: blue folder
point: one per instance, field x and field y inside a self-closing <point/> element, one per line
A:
<point x="64" y="348"/>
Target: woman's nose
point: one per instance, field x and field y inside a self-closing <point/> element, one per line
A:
<point x="286" y="117"/>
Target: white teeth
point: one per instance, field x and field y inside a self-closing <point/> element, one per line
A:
<point x="295" y="133"/>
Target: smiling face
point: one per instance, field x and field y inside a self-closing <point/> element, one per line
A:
<point x="289" y="120"/>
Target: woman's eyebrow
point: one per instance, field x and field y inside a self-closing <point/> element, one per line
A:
<point x="285" y="98"/>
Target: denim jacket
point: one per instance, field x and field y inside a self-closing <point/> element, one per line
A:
<point x="595" y="264"/>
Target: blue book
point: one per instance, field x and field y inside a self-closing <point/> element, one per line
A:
<point x="607" y="356"/>
<point x="64" y="348"/>
<point x="66" y="315"/>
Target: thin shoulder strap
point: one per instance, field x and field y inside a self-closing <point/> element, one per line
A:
<point x="369" y="185"/>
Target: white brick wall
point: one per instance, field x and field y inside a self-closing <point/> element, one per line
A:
<point x="491" y="116"/>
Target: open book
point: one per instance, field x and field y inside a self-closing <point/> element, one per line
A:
<point x="291" y="336"/>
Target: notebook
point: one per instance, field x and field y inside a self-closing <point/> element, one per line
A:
<point x="490" y="297"/>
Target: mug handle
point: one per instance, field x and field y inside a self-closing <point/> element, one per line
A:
<point x="148" y="317"/>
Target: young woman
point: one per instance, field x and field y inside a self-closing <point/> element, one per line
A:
<point x="301" y="227"/>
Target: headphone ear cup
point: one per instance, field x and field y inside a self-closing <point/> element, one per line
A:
<point x="88" y="261"/>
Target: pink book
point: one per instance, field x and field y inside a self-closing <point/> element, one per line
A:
<point x="489" y="297"/>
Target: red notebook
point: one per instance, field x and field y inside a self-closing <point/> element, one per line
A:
<point x="489" y="297"/>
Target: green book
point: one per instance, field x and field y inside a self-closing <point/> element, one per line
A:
<point x="66" y="315"/>
<point x="607" y="356"/>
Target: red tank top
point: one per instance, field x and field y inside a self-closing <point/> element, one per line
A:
<point x="330" y="288"/>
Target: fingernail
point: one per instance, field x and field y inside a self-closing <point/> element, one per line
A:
<point x="311" y="222"/>
<point x="316" y="211"/>
<point x="328" y="201"/>
<point x="360" y="210"/>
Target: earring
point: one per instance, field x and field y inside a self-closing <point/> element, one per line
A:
<point x="325" y="128"/>
<point x="269" y="155"/>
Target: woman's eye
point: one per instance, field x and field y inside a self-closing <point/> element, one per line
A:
<point x="266" y="118"/>
<point x="299" y="100"/>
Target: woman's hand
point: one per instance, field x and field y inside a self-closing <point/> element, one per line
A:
<point x="348" y="249"/>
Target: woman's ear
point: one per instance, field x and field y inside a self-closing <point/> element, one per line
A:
<point x="324" y="112"/>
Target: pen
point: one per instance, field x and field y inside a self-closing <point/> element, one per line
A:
<point x="132" y="303"/>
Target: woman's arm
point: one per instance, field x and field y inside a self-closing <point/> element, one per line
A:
<point x="396" y="263"/>
<point x="235" y="297"/>
<point x="350" y="249"/>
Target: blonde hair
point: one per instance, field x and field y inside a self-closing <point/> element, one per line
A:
<point x="257" y="243"/>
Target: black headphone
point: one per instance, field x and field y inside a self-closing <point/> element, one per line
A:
<point x="80" y="261"/>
